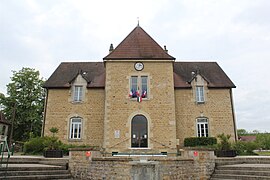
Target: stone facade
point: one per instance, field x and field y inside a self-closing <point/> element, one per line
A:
<point x="159" y="108"/>
<point x="90" y="102"/>
<point x="217" y="109"/>
<point x="60" y="109"/>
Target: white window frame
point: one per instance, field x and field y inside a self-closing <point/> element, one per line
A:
<point x="139" y="85"/>
<point x="202" y="127"/>
<point x="200" y="94"/>
<point x="73" y="125"/>
<point x="78" y="93"/>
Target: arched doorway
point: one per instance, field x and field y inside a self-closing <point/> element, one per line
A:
<point x="139" y="132"/>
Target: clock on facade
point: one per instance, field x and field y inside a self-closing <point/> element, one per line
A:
<point x="138" y="66"/>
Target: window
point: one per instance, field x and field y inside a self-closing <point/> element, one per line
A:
<point x="199" y="94"/>
<point x="78" y="93"/>
<point x="139" y="86"/>
<point x="133" y="86"/>
<point x="75" y="128"/>
<point x="202" y="127"/>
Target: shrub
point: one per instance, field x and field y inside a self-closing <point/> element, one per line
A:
<point x="263" y="140"/>
<point x="38" y="144"/>
<point x="34" y="146"/>
<point x="245" y="148"/>
<point x="224" y="143"/>
<point x="199" y="141"/>
<point x="52" y="143"/>
<point x="65" y="147"/>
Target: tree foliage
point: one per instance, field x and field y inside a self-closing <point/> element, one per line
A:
<point x="241" y="132"/>
<point x="24" y="103"/>
<point x="263" y="140"/>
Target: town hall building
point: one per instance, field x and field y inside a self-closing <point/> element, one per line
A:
<point x="138" y="99"/>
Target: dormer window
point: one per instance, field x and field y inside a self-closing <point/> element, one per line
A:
<point x="78" y="89"/>
<point x="199" y="84"/>
<point x="78" y="92"/>
<point x="199" y="94"/>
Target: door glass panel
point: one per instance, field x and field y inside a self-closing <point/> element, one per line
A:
<point x="139" y="134"/>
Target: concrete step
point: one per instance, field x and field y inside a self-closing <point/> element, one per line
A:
<point x="243" y="172"/>
<point x="31" y="167"/>
<point x="243" y="159"/>
<point x="245" y="167"/>
<point x="28" y="168"/>
<point x="32" y="177"/>
<point x="244" y="177"/>
<point x="27" y="173"/>
<point x="36" y="160"/>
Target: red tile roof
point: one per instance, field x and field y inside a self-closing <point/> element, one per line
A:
<point x="247" y="138"/>
<point x="138" y="45"/>
<point x="210" y="71"/>
<point x="95" y="74"/>
<point x="66" y="72"/>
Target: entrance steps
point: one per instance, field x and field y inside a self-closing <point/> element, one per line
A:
<point x="242" y="168"/>
<point x="27" y="168"/>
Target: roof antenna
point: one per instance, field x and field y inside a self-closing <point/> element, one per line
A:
<point x="138" y="19"/>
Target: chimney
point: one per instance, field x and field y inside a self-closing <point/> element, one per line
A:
<point x="111" y="48"/>
<point x="165" y="49"/>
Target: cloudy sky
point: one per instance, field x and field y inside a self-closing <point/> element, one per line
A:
<point x="41" y="34"/>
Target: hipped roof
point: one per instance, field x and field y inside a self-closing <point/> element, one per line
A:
<point x="184" y="73"/>
<point x="138" y="45"/>
<point x="94" y="74"/>
<point x="63" y="76"/>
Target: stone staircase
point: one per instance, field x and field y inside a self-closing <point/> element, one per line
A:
<point x="35" y="168"/>
<point x="242" y="168"/>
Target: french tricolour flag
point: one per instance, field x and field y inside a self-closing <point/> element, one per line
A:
<point x="130" y="94"/>
<point x="144" y="94"/>
<point x="139" y="99"/>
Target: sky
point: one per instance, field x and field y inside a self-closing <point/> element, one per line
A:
<point x="236" y="34"/>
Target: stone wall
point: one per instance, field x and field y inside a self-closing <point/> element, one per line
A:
<point x="60" y="109"/>
<point x="158" y="108"/>
<point x="191" y="165"/>
<point x="171" y="113"/>
<point x="217" y="109"/>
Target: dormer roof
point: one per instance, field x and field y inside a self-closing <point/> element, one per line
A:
<point x="138" y="45"/>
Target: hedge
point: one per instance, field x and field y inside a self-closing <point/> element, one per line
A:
<point x="199" y="141"/>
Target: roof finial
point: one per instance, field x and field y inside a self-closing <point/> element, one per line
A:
<point x="165" y="49"/>
<point x="111" y="48"/>
<point x="138" y="19"/>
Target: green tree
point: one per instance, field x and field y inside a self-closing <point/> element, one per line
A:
<point x="241" y="132"/>
<point x="24" y="103"/>
<point x="263" y="139"/>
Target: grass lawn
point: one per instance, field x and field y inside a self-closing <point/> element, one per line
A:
<point x="263" y="153"/>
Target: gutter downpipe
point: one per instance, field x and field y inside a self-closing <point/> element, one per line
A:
<point x="44" y="117"/>
<point x="233" y="113"/>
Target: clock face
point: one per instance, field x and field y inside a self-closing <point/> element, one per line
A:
<point x="138" y="66"/>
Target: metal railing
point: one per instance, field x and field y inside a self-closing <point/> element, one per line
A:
<point x="4" y="148"/>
